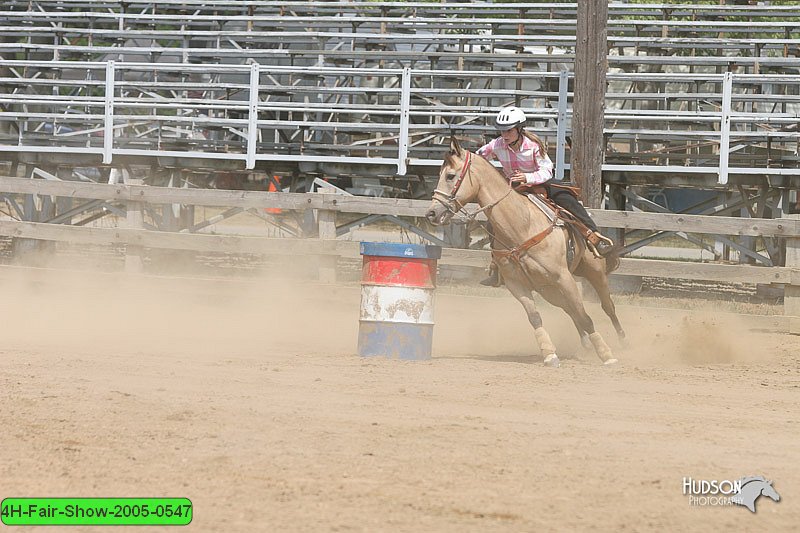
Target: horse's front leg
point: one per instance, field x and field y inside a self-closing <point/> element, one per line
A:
<point x="585" y="342"/>
<point x="524" y="295"/>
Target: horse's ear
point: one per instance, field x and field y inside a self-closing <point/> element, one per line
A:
<point x="455" y="147"/>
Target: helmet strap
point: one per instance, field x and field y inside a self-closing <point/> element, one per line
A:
<point x="518" y="141"/>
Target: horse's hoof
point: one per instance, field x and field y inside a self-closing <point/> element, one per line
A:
<point x="552" y="361"/>
<point x="611" y="361"/>
<point x="624" y="342"/>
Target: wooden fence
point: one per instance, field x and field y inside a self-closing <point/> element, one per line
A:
<point x="326" y="206"/>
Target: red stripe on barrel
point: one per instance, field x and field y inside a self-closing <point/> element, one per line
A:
<point x="401" y="271"/>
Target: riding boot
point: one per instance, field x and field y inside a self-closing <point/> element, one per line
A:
<point x="494" y="277"/>
<point x="600" y="242"/>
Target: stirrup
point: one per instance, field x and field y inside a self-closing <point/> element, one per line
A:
<point x="593" y="249"/>
<point x="605" y="239"/>
<point x="599" y="237"/>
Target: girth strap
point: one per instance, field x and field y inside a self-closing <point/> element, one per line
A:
<point x="517" y="252"/>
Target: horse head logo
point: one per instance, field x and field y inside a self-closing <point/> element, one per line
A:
<point x="752" y="488"/>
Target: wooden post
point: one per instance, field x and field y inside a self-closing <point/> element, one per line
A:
<point x="24" y="249"/>
<point x="456" y="235"/>
<point x="591" y="64"/>
<point x="308" y="225"/>
<point x="135" y="220"/>
<point x="616" y="201"/>
<point x="791" y="294"/>
<point x="326" y="223"/>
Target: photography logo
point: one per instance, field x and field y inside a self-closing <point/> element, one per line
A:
<point x="745" y="491"/>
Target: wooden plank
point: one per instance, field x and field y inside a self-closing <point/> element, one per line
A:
<point x="70" y="189"/>
<point x="704" y="271"/>
<point x="696" y="223"/>
<point x="381" y="206"/>
<point x="378" y="206"/>
<point x="791" y="294"/>
<point x="178" y="241"/>
<point x="135" y="220"/>
<point x="473" y="258"/>
<point x="216" y="197"/>
<point x="326" y="222"/>
<point x="259" y="245"/>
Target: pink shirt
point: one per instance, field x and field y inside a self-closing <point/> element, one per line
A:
<point x="529" y="160"/>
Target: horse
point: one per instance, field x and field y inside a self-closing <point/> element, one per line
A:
<point x="527" y="263"/>
<point x="752" y="488"/>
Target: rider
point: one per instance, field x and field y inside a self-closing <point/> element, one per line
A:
<point x="525" y="161"/>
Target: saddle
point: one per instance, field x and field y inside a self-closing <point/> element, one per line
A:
<point x="577" y="231"/>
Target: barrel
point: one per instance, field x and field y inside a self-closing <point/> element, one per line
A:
<point x="398" y="282"/>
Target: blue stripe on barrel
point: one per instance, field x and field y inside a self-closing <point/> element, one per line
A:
<point x="398" y="284"/>
<point x="395" y="339"/>
<point x="396" y="249"/>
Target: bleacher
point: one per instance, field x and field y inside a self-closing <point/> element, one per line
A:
<point x="329" y="84"/>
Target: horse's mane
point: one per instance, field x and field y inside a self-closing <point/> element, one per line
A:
<point x="747" y="480"/>
<point x="494" y="168"/>
<point x="449" y="157"/>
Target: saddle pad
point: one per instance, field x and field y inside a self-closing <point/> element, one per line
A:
<point x="575" y="244"/>
<point x="546" y="209"/>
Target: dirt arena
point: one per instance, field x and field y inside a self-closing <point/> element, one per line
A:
<point x="248" y="398"/>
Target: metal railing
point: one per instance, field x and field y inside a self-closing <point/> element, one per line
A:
<point x="396" y="117"/>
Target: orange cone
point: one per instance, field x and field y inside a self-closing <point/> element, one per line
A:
<point x="273" y="188"/>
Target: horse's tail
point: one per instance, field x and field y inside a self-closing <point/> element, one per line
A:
<point x="612" y="259"/>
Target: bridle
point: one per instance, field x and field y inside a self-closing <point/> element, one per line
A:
<point x="450" y="201"/>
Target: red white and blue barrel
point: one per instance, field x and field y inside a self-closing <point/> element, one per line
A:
<point x="398" y="282"/>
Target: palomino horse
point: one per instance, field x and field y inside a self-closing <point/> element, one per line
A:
<point x="529" y="253"/>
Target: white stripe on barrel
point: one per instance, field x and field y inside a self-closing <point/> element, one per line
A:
<point x="397" y="304"/>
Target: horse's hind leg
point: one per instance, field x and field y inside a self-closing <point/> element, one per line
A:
<point x="525" y="297"/>
<point x="573" y="305"/>
<point x="599" y="280"/>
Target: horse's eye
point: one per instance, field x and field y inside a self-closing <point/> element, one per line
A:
<point x="450" y="175"/>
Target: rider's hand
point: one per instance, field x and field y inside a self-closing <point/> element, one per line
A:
<point x="517" y="177"/>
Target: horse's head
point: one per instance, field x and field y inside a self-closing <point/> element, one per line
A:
<point x="751" y="489"/>
<point x="455" y="187"/>
<point x="768" y="490"/>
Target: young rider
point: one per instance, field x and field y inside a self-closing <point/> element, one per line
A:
<point x="525" y="161"/>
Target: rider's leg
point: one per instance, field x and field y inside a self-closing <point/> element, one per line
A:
<point x="571" y="204"/>
<point x="493" y="279"/>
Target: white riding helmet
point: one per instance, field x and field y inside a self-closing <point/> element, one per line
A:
<point x="509" y="118"/>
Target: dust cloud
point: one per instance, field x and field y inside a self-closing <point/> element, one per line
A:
<point x="118" y="311"/>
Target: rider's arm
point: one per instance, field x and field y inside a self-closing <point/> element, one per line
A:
<point x="487" y="150"/>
